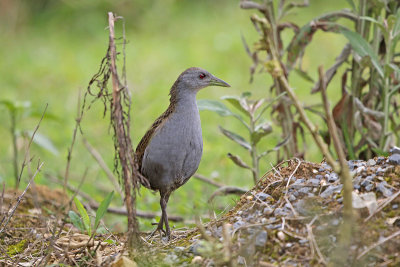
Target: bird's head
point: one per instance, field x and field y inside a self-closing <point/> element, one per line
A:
<point x="197" y="78"/>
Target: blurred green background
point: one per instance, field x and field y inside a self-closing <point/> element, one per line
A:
<point x="51" y="48"/>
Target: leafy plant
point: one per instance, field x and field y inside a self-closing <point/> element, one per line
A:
<point x="256" y="127"/>
<point x="83" y="223"/>
<point x="18" y="111"/>
<point x="366" y="114"/>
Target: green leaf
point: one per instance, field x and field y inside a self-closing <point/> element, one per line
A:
<point x="363" y="49"/>
<point x="239" y="103"/>
<point x="213" y="105"/>
<point x="380" y="152"/>
<point x="15" y="105"/>
<point x="260" y="131"/>
<point x="396" y="28"/>
<point x="236" y="138"/>
<point x="304" y="75"/>
<point x="269" y="104"/>
<point x="101" y="230"/>
<point x="238" y="161"/>
<point x="44" y="142"/>
<point x="103" y="209"/>
<point x="76" y="220"/>
<point x="84" y="215"/>
<point x="219" y="108"/>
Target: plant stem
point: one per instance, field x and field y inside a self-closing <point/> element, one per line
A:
<point x="15" y="148"/>
<point x="386" y="95"/>
<point x="253" y="151"/>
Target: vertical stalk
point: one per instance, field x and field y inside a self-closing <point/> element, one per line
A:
<point x="286" y="117"/>
<point x="386" y="95"/>
<point x="253" y="152"/>
<point x="15" y="148"/>
<point x="123" y="145"/>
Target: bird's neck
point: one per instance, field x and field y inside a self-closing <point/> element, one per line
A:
<point x="183" y="100"/>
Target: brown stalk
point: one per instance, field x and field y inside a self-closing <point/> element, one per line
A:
<point x="342" y="251"/>
<point x="123" y="142"/>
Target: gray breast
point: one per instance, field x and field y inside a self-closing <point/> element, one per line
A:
<point x="174" y="153"/>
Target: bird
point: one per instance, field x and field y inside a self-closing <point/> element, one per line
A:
<point x="170" y="151"/>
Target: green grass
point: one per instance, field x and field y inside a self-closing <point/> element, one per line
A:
<point x="47" y="56"/>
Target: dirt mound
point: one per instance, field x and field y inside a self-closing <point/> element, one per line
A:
<point x="292" y="217"/>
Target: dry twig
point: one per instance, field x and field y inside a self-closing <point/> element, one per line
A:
<point x="378" y="244"/>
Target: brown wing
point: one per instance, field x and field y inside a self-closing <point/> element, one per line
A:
<point x="139" y="153"/>
<point x="158" y="123"/>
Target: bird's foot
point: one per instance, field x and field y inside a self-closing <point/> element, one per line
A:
<point x="159" y="229"/>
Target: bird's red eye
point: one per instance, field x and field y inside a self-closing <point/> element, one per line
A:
<point x="202" y="75"/>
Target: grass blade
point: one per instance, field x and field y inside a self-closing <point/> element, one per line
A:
<point x="84" y="215"/>
<point x="103" y="209"/>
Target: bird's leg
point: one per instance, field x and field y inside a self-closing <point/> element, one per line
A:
<point x="163" y="203"/>
<point x="164" y="219"/>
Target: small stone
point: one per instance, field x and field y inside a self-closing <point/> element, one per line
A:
<point x="261" y="239"/>
<point x="238" y="224"/>
<point x="360" y="169"/>
<point x="395" y="150"/>
<point x="179" y="249"/>
<point x="371" y="162"/>
<point x="340" y="200"/>
<point x="357" y="186"/>
<point x="304" y="190"/>
<point x="262" y="196"/>
<point x="299" y="181"/>
<point x="394" y="159"/>
<point x="241" y="260"/>
<point x="395" y="206"/>
<point x="171" y="259"/>
<point x="333" y="177"/>
<point x="335" y="222"/>
<point x="303" y="241"/>
<point x="331" y="189"/>
<point x="280" y="212"/>
<point x="197" y="260"/>
<point x="281" y="235"/>
<point x="369" y="187"/>
<point x="380" y="160"/>
<point x="292" y="197"/>
<point x="289" y="245"/>
<point x="267" y="211"/>
<point x="314" y="182"/>
<point x="366" y="181"/>
<point x="319" y="176"/>
<point x="380" y="171"/>
<point x="384" y="190"/>
<point x="314" y="171"/>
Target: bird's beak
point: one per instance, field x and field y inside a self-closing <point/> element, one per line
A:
<point x="218" y="82"/>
